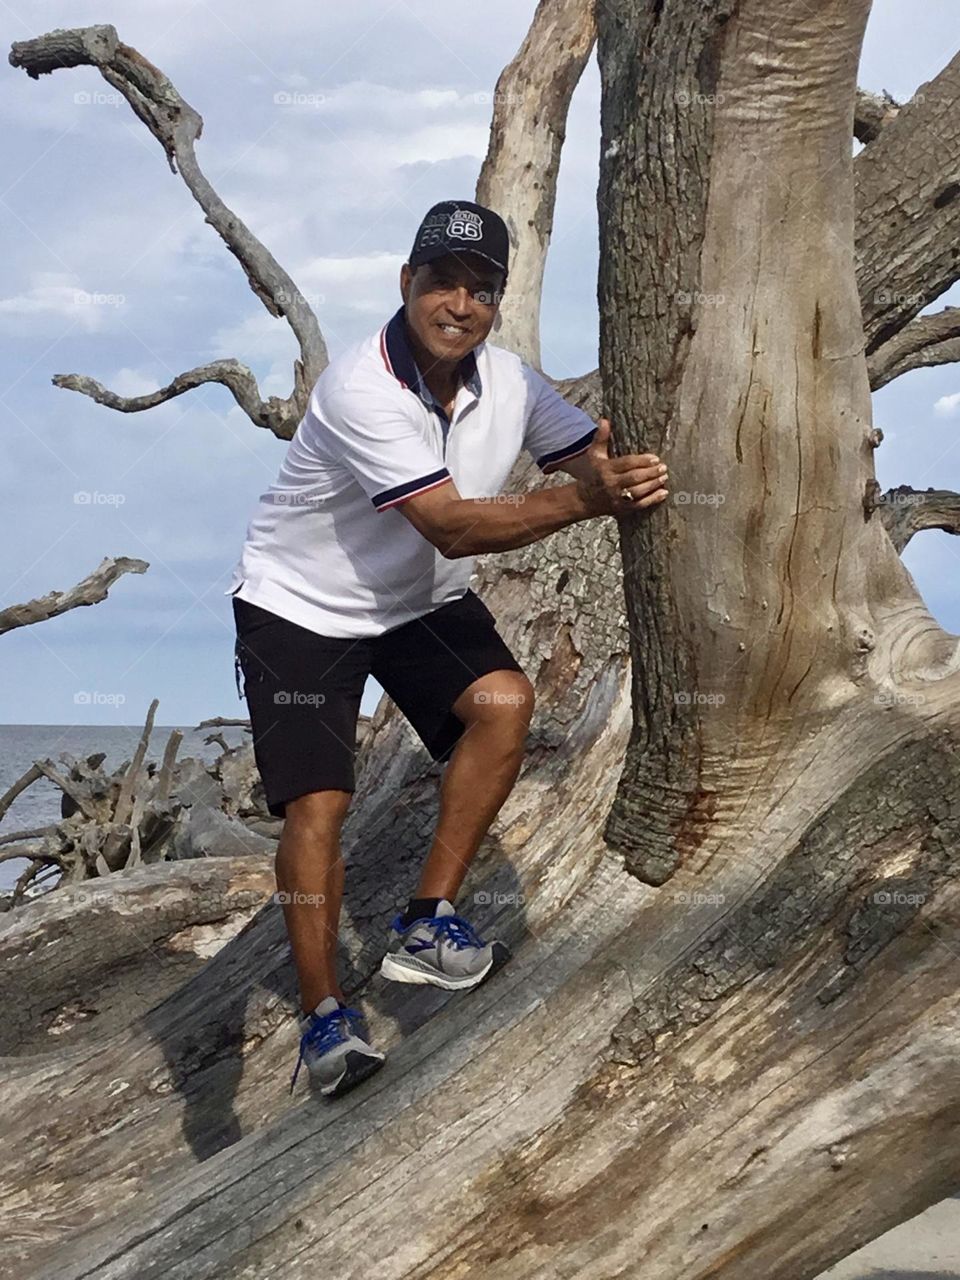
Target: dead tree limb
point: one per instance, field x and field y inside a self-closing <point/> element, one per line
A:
<point x="907" y="190"/>
<point x="89" y="590"/>
<point x="905" y="511"/>
<point x="924" y="342"/>
<point x="871" y="113"/>
<point x="176" y="126"/>
<point x="519" y="174"/>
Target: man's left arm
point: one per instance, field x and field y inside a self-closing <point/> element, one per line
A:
<point x="558" y="436"/>
<point x="580" y="467"/>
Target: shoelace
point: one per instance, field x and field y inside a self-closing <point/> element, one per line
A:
<point x="325" y="1031"/>
<point x="459" y="931"/>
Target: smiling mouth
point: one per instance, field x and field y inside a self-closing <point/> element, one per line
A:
<point x="452" y="331"/>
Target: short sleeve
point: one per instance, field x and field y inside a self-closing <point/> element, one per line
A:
<point x="554" y="431"/>
<point x="379" y="442"/>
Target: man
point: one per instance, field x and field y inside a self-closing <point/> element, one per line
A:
<point x="358" y="561"/>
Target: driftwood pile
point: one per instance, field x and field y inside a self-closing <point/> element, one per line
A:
<point x="143" y="812"/>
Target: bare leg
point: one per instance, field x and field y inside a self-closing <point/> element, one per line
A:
<point x="479" y="777"/>
<point x="309" y="869"/>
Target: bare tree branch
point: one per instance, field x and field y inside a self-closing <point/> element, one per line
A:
<point x="32" y="775"/>
<point x="871" y="112"/>
<point x="32" y="833"/>
<point x="908" y="209"/>
<point x="90" y="590"/>
<point x="905" y="511"/>
<point x="926" y="341"/>
<point x="519" y="174"/>
<point x="69" y="788"/>
<point x="176" y="126"/>
<point x="237" y="378"/>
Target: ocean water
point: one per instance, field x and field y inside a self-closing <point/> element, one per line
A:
<point x="39" y="805"/>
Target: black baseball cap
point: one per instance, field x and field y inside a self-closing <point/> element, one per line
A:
<point x="460" y="226"/>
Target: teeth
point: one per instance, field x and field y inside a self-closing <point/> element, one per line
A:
<point x="449" y="328"/>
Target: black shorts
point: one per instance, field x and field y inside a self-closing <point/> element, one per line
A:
<point x="303" y="690"/>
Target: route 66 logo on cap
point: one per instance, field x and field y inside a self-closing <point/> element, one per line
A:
<point x="454" y="225"/>
<point x="464" y="224"/>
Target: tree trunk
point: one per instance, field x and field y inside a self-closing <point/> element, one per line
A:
<point x="726" y="1044"/>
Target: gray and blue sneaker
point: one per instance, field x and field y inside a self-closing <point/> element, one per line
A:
<point x="443" y="950"/>
<point x="333" y="1043"/>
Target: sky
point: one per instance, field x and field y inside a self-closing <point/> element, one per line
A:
<point x="329" y="131"/>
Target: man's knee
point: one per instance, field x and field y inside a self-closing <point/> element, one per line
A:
<point x="324" y="810"/>
<point x="499" y="697"/>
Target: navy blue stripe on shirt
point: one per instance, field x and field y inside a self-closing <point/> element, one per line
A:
<point x="390" y="497"/>
<point x="550" y="461"/>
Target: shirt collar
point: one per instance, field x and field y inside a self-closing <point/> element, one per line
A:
<point x="398" y="358"/>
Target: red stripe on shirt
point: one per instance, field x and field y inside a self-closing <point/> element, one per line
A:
<point x="386" y="357"/>
<point x="396" y="502"/>
<point x="552" y="466"/>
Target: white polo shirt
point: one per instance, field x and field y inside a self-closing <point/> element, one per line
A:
<point x="328" y="547"/>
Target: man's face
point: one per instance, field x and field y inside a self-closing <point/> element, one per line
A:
<point x="459" y="290"/>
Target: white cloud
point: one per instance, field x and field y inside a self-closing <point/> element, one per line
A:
<point x="335" y="288"/>
<point x="132" y="382"/>
<point x="54" y="298"/>
<point x="947" y="406"/>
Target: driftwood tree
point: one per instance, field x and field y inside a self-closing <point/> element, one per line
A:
<point x="726" y="1045"/>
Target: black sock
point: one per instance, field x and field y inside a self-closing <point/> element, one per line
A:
<point x="419" y="907"/>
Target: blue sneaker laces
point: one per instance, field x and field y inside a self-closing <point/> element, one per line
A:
<point x="460" y="932"/>
<point x="327" y="1030"/>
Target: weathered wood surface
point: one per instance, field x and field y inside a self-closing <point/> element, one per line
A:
<point x="87" y="960"/>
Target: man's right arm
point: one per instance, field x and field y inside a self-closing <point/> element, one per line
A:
<point x="460" y="527"/>
<point x="470" y="526"/>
